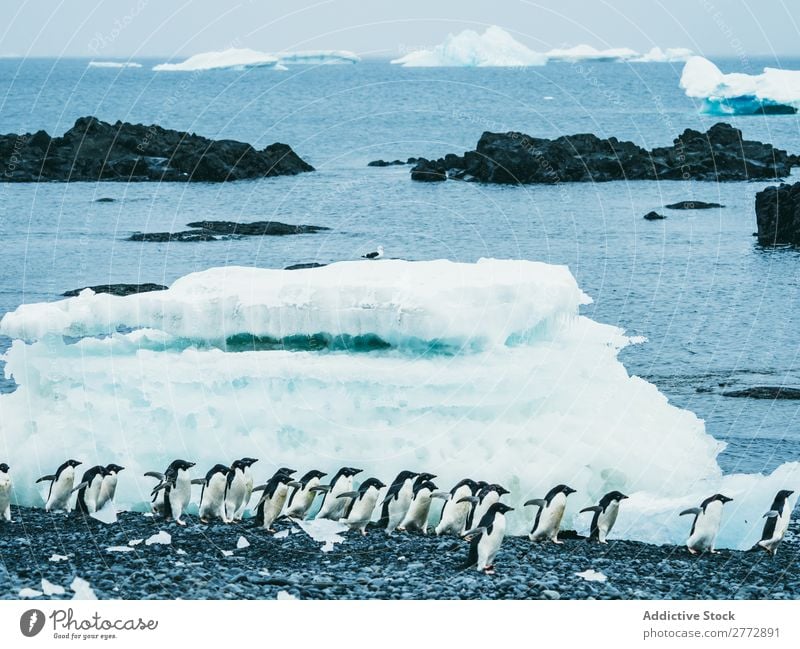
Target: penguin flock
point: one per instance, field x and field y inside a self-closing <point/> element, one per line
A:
<point x="471" y="510"/>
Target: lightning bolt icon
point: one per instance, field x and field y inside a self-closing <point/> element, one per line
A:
<point x="32" y="620"/>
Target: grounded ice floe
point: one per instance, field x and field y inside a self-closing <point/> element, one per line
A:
<point x="737" y="93"/>
<point x="484" y="370"/>
<point x="241" y="58"/>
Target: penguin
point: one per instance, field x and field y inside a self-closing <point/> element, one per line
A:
<point x="487" y="496"/>
<point x="398" y="498"/>
<point x="374" y="255"/>
<point x="551" y="510"/>
<point x="706" y="523"/>
<point x="302" y="494"/>
<point x="416" y="518"/>
<point x="89" y="490"/>
<point x="605" y="515"/>
<point x="777" y="521"/>
<point x="240" y="488"/>
<point x="109" y="487"/>
<point x="332" y="506"/>
<point x="272" y="500"/>
<point x="5" y="492"/>
<point x="423" y="477"/>
<point x="486" y="539"/>
<point x="212" y="496"/>
<point x="61" y="484"/>
<point x="457" y="506"/>
<point x="361" y="504"/>
<point x="173" y="493"/>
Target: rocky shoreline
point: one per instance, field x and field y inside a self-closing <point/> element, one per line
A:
<point x="720" y="154"/>
<point x="212" y="562"/>
<point x="94" y="150"/>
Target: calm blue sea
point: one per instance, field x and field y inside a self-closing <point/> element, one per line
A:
<point x="716" y="309"/>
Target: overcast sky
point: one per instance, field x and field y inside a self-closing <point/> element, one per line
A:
<point x="179" y="28"/>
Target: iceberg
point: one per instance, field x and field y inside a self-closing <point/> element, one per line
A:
<point x="589" y="53"/>
<point x="114" y="64"/>
<point x="485" y="369"/>
<point x="773" y="91"/>
<point x="669" y="55"/>
<point x="494" y="48"/>
<point x="242" y="59"/>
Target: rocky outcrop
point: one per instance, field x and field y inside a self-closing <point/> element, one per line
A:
<point x="720" y="154"/>
<point x="765" y="392"/>
<point x="778" y="215"/>
<point x="95" y="150"/>
<point x="118" y="289"/>
<point x="392" y="163"/>
<point x="692" y="205"/>
<point x="654" y="216"/>
<point x="215" y="230"/>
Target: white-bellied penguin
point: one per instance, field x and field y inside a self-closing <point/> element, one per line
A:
<point x="89" y="490"/>
<point x="332" y="506"/>
<point x="398" y="498"/>
<point x="361" y="504"/>
<point x="302" y="494"/>
<point x="61" y="483"/>
<point x="6" y="487"/>
<point x="240" y="488"/>
<point x="487" y="496"/>
<point x="457" y="506"/>
<point x="604" y="515"/>
<point x="213" y="493"/>
<point x="108" y="489"/>
<point x="547" y="523"/>
<point x="777" y="521"/>
<point x="273" y="498"/>
<point x="486" y="539"/>
<point x="172" y="494"/>
<point x="705" y="527"/>
<point x="416" y="518"/>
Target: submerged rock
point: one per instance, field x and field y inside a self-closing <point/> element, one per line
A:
<point x="95" y="150"/>
<point x="692" y="205"/>
<point x="654" y="216"/>
<point x="118" y="289"/>
<point x="393" y="163"/>
<point x="215" y="230"/>
<point x="778" y="215"/>
<point x="765" y="392"/>
<point x="720" y="154"/>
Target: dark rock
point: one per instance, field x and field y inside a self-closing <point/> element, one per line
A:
<point x="257" y="228"/>
<point x="162" y="237"/>
<point x="765" y="392"/>
<point x="384" y="163"/>
<point x="778" y="215"/>
<point x="118" y="289"/>
<point x="106" y="199"/>
<point x="775" y="109"/>
<point x="312" y="264"/>
<point x="654" y="216"/>
<point x="720" y="154"/>
<point x="95" y="150"/>
<point x="692" y="205"/>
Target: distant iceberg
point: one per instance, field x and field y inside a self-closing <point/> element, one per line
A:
<point x="669" y="55"/>
<point x="114" y="64"/>
<point x="589" y="53"/>
<point x="241" y="59"/>
<point x="773" y="91"/>
<point x="494" y="48"/>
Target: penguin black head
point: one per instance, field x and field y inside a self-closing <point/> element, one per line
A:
<point x="405" y="475"/>
<point x="350" y="471"/>
<point x="72" y="463"/>
<point x="564" y="489"/>
<point x="424" y="477"/>
<point x="113" y="468"/>
<point x="482" y="484"/>
<point x="371" y="482"/>
<point x="500" y="489"/>
<point x="179" y="465"/>
<point x="419" y="486"/>
<point x="721" y="498"/>
<point x="4" y="467"/>
<point x="500" y="508"/>
<point x="284" y="471"/>
<point x="614" y="495"/>
<point x="783" y="494"/>
<point x="248" y="461"/>
<point x="219" y="468"/>
<point x="310" y="475"/>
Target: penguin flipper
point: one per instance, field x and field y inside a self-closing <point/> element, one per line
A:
<point x="46" y="478"/>
<point x="593" y="508"/>
<point x="441" y="494"/>
<point x="321" y="488"/>
<point x="199" y="481"/>
<point x="160" y="486"/>
<point x="469" y="499"/>
<point x="348" y="494"/>
<point x="82" y="485"/>
<point x="475" y="531"/>
<point x="383" y="521"/>
<point x="154" y="474"/>
<point x="472" y="557"/>
<point x="771" y="514"/>
<point x="538" y="502"/>
<point x="693" y="510"/>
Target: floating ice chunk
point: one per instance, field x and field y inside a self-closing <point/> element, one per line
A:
<point x="162" y="538"/>
<point x="107" y="515"/>
<point x="55" y="558"/>
<point x="282" y="594"/>
<point x="494" y="48"/>
<point x="133" y="542"/>
<point x="27" y="593"/>
<point x="324" y="531"/>
<point x="119" y="548"/>
<point x="592" y="575"/>
<point x="232" y="58"/>
<point x="242" y="543"/>
<point x="114" y="64"/>
<point x="51" y="589"/>
<point x="669" y="55"/>
<point x="227" y="553"/>
<point x="773" y="90"/>
<point x="589" y="53"/>
<point x="82" y="589"/>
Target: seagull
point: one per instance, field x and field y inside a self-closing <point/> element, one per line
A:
<point x="374" y="255"/>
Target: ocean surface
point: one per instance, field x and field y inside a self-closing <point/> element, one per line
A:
<point x="718" y="311"/>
